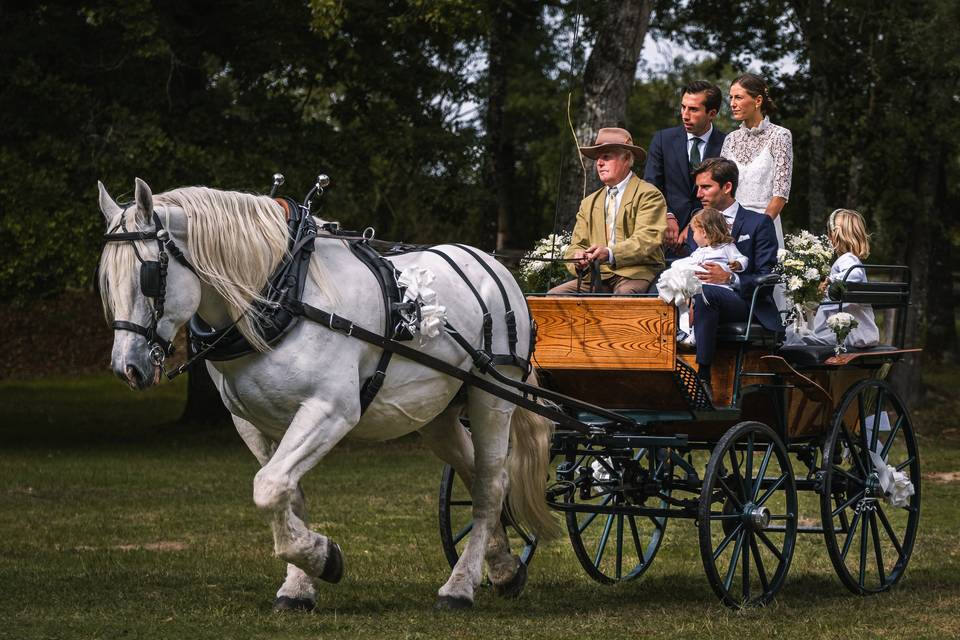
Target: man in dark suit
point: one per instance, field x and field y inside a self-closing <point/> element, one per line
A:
<point x="676" y="151"/>
<point x="755" y="237"/>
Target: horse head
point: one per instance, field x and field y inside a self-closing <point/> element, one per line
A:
<point x="147" y="286"/>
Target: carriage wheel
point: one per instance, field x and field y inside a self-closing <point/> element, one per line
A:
<point x="868" y="538"/>
<point x="456" y="521"/>
<point x="614" y="547"/>
<point x="747" y="518"/>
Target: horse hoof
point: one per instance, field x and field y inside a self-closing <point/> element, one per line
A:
<point x="333" y="567"/>
<point x="284" y="603"/>
<point x="513" y="587"/>
<point x="452" y="603"/>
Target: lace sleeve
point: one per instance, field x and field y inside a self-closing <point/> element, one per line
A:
<point x="781" y="146"/>
<point x="726" y="150"/>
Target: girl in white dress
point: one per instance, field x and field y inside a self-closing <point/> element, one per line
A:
<point x="762" y="150"/>
<point x="848" y="235"/>
<point x="714" y="244"/>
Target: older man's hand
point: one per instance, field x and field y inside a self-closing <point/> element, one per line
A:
<point x="596" y="252"/>
<point x="714" y="274"/>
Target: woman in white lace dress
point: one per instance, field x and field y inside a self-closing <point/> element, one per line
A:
<point x="762" y="150"/>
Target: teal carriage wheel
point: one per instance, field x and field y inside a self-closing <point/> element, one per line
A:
<point x="870" y="523"/>
<point x="456" y="521"/>
<point x="747" y="516"/>
<point x="612" y="544"/>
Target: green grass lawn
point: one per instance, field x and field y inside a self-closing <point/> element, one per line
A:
<point x="115" y="525"/>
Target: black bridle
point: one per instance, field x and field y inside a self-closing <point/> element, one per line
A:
<point x="153" y="280"/>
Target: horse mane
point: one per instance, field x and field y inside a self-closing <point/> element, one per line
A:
<point x="235" y="242"/>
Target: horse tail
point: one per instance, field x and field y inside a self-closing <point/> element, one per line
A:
<point x="528" y="467"/>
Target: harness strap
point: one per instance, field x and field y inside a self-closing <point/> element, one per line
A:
<point x="509" y="316"/>
<point x="348" y="328"/>
<point x="487" y="320"/>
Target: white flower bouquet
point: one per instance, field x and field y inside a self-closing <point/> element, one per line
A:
<point x="538" y="266"/>
<point x="842" y="324"/>
<point x="804" y="264"/>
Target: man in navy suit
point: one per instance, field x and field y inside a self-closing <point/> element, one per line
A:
<point x="755" y="237"/>
<point x="676" y="151"/>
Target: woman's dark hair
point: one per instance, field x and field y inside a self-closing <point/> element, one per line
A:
<point x="755" y="86"/>
<point x="712" y="91"/>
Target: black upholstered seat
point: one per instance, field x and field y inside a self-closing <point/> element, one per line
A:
<point x="812" y="355"/>
<point x="737" y="332"/>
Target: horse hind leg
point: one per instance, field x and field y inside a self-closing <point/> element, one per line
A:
<point x="490" y="433"/>
<point x="450" y="441"/>
<point x="277" y="493"/>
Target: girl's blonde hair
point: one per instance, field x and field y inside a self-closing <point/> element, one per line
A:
<point x="848" y="233"/>
<point x="713" y="225"/>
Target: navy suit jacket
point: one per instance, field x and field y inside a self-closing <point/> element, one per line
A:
<point x="756" y="238"/>
<point x="668" y="169"/>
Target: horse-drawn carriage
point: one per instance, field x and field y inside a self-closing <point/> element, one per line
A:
<point x="302" y="362"/>
<point x="791" y="440"/>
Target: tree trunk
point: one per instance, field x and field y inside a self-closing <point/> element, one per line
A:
<point x="812" y="24"/>
<point x="607" y="81"/>
<point x="499" y="163"/>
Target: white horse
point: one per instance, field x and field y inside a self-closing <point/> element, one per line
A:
<point x="294" y="402"/>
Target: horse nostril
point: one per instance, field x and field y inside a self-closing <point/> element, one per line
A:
<point x="134" y="377"/>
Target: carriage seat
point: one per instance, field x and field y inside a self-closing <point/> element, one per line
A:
<point x="737" y="332"/>
<point x="808" y="355"/>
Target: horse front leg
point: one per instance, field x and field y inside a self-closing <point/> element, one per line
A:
<point x="490" y="433"/>
<point x="298" y="591"/>
<point x="317" y="427"/>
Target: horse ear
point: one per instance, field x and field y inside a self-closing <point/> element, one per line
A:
<point x="144" y="198"/>
<point x="108" y="206"/>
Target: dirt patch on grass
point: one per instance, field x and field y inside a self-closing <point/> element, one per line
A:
<point x="163" y="545"/>
<point x="943" y="476"/>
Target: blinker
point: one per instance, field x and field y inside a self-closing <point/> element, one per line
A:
<point x="150" y="278"/>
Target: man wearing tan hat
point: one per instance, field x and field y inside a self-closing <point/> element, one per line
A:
<point x="620" y="226"/>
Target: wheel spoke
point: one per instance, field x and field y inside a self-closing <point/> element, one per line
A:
<point x="877" y="414"/>
<point x="853" y="453"/>
<point x="463" y="533"/>
<point x="762" y="472"/>
<point x="636" y="540"/>
<point x="619" y="546"/>
<point x="889" y="530"/>
<point x="746" y="566"/>
<point x="758" y="560"/>
<point x="726" y="540"/>
<point x="735" y="470"/>
<point x="876" y="547"/>
<point x="905" y="463"/>
<point x="893" y="436"/>
<point x="769" y="545"/>
<point x="847" y="503"/>
<point x="850" y="533"/>
<point x="849" y="476"/>
<point x="772" y="489"/>
<point x="748" y="474"/>
<point x="604" y="537"/>
<point x="730" y="494"/>
<point x="734" y="559"/>
<point x="863" y="552"/>
<point x="592" y="516"/>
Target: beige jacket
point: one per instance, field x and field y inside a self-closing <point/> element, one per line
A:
<point x="641" y="222"/>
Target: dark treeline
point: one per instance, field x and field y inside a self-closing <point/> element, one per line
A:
<point x="446" y="120"/>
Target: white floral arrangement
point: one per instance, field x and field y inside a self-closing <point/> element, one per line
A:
<point x="804" y="263"/>
<point x="428" y="317"/>
<point x="537" y="267"/>
<point x="842" y="324"/>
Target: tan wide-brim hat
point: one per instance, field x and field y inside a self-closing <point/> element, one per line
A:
<point x="610" y="138"/>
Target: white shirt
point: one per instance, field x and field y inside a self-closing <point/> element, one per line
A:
<point x="721" y="254"/>
<point x="704" y="139"/>
<point x="621" y="187"/>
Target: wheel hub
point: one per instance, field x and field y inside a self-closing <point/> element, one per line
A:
<point x="756" y="517"/>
